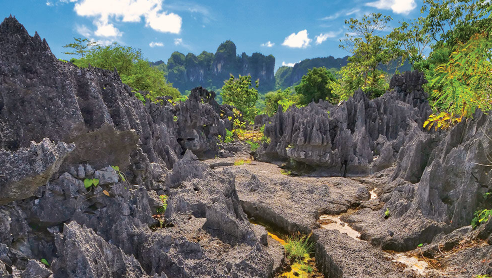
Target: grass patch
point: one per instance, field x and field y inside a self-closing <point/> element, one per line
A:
<point x="242" y="162"/>
<point x="298" y="247"/>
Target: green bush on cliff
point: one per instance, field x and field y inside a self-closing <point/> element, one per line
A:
<point x="132" y="68"/>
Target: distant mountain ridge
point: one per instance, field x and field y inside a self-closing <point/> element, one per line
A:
<point x="290" y="76"/>
<point x="209" y="70"/>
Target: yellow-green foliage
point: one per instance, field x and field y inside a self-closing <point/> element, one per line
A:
<point x="238" y="93"/>
<point x="464" y="83"/>
<point x="240" y="162"/>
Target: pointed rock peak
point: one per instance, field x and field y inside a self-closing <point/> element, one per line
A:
<point x="11" y="25"/>
<point x="189" y="155"/>
<point x="227" y="47"/>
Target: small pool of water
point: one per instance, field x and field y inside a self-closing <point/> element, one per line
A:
<point x="333" y="222"/>
<point x="373" y="194"/>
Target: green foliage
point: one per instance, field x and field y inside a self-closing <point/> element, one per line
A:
<point x="286" y="98"/>
<point x="420" y="245"/>
<point x="229" y="138"/>
<point x="163" y="207"/>
<point x="464" y="83"/>
<point x="81" y="47"/>
<point x="254" y="145"/>
<point x="133" y="69"/>
<point x="449" y="22"/>
<point x="240" y="162"/>
<point x="315" y="85"/>
<point x="387" y="213"/>
<point x="90" y="182"/>
<point x="238" y="92"/>
<point x="369" y="51"/>
<point x="298" y="247"/>
<point x="481" y="215"/>
<point x="117" y="169"/>
<point x="140" y="97"/>
<point x="45" y="262"/>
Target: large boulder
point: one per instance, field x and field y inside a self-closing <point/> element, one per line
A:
<point x="24" y="170"/>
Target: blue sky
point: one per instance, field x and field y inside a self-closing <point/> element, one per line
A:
<point x="290" y="30"/>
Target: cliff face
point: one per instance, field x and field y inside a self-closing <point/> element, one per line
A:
<point x="351" y="134"/>
<point x="211" y="70"/>
<point x="82" y="121"/>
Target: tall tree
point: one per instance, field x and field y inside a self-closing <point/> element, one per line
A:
<point x="81" y="47"/>
<point x="239" y="93"/>
<point x="315" y="85"/>
<point x="369" y="50"/>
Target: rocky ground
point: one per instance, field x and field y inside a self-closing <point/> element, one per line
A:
<point x="300" y="203"/>
<point x="85" y="167"/>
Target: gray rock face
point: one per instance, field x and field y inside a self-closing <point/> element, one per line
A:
<point x="24" y="170"/>
<point x="338" y="255"/>
<point x="42" y="97"/>
<point x="82" y="253"/>
<point x="104" y="231"/>
<point x="354" y="133"/>
<point x="444" y="197"/>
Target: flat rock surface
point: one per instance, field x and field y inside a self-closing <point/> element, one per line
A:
<point x="290" y="203"/>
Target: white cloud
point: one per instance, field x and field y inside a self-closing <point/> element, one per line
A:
<point x="164" y="22"/>
<point x="354" y="11"/>
<point x="127" y="11"/>
<point x="342" y="12"/>
<point x="156" y="44"/>
<point x="178" y="41"/>
<point x="323" y="37"/>
<point x="106" y="29"/>
<point x="284" y="64"/>
<point x="333" y="16"/>
<point x="299" y="40"/>
<point x="83" y="30"/>
<point x="268" y="44"/>
<point x="397" y="6"/>
<point x="49" y="4"/>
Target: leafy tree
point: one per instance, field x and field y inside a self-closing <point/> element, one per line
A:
<point x="315" y="85"/>
<point x="369" y="50"/>
<point x="465" y="82"/>
<point x="81" y="47"/>
<point x="238" y="92"/>
<point x="132" y="68"/>
<point x="286" y="98"/>
<point x="443" y="24"/>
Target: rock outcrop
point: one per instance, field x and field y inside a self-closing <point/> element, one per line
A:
<point x="358" y="136"/>
<point x="26" y="169"/>
<point x="61" y="201"/>
<point x="449" y="191"/>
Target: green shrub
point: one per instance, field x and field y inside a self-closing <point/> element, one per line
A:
<point x="298" y="247"/>
<point x="162" y="209"/>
